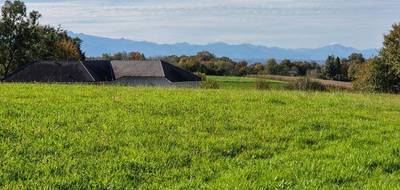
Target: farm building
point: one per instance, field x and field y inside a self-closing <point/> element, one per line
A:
<point x="152" y="73"/>
<point x="51" y="71"/>
<point x="135" y="73"/>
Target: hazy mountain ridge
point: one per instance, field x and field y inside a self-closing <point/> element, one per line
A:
<point x="96" y="46"/>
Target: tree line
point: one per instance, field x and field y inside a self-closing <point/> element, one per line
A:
<point x="208" y="63"/>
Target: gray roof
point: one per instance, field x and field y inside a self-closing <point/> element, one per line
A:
<point x="100" y="70"/>
<point x="137" y="69"/>
<point x="158" y="68"/>
<point x="51" y="71"/>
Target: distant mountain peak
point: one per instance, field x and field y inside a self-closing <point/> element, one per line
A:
<point x="96" y="46"/>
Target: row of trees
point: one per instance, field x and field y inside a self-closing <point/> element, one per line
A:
<point x="134" y="56"/>
<point x="289" y="68"/>
<point x="342" y="69"/>
<point x="24" y="40"/>
<point x="208" y="63"/>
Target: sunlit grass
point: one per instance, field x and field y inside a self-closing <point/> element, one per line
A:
<point x="244" y="83"/>
<point x="105" y="137"/>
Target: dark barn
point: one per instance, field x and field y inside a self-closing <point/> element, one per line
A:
<point x="135" y="73"/>
<point x="51" y="71"/>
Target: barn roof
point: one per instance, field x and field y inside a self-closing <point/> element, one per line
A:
<point x="97" y="71"/>
<point x="100" y="70"/>
<point x="51" y="71"/>
<point x="151" y="69"/>
<point x="137" y="69"/>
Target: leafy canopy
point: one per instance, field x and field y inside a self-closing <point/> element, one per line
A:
<point x="23" y="40"/>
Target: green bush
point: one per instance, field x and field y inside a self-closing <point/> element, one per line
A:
<point x="203" y="76"/>
<point x="261" y="85"/>
<point x="307" y="84"/>
<point x="209" y="84"/>
<point x="363" y="80"/>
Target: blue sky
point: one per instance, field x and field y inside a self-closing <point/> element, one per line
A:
<point x="283" y="23"/>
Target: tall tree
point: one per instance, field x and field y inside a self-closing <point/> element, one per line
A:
<point x="387" y="77"/>
<point x="189" y="64"/>
<point x="383" y="73"/>
<point x="136" y="56"/>
<point x="23" y="40"/>
<point x="355" y="63"/>
<point x="205" y="56"/>
<point x="271" y="67"/>
<point x="332" y="67"/>
<point x="54" y="44"/>
<point x="16" y="35"/>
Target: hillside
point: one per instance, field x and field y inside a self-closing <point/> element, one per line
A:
<point x="96" y="46"/>
<point x="110" y="137"/>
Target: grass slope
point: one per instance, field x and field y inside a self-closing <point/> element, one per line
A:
<point x="244" y="83"/>
<point x="84" y="137"/>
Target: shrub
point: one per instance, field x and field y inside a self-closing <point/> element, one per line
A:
<point x="261" y="85"/>
<point x="307" y="84"/>
<point x="209" y="84"/>
<point x="376" y="75"/>
<point x="363" y="78"/>
<point x="203" y="76"/>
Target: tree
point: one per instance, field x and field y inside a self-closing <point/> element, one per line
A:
<point x="286" y="63"/>
<point x="391" y="48"/>
<point x="16" y="35"/>
<point x="354" y="62"/>
<point x="134" y="56"/>
<point x="106" y="56"/>
<point x="189" y="64"/>
<point x="55" y="44"/>
<point x="223" y="67"/>
<point x="332" y="68"/>
<point x="240" y="68"/>
<point x="23" y="40"/>
<point x="205" y="56"/>
<point x="66" y="50"/>
<point x="173" y="59"/>
<point x="390" y="53"/>
<point x="383" y="73"/>
<point x="137" y="56"/>
<point x="271" y="67"/>
<point x="257" y="68"/>
<point x="356" y="58"/>
<point x="367" y="74"/>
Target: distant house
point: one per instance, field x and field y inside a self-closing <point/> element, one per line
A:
<point x="135" y="73"/>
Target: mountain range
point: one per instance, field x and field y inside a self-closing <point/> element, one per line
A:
<point x="95" y="46"/>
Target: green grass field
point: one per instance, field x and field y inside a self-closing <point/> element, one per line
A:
<point x="105" y="137"/>
<point x="244" y="83"/>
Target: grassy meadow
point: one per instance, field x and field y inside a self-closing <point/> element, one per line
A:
<point x="244" y="83"/>
<point x="111" y="137"/>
